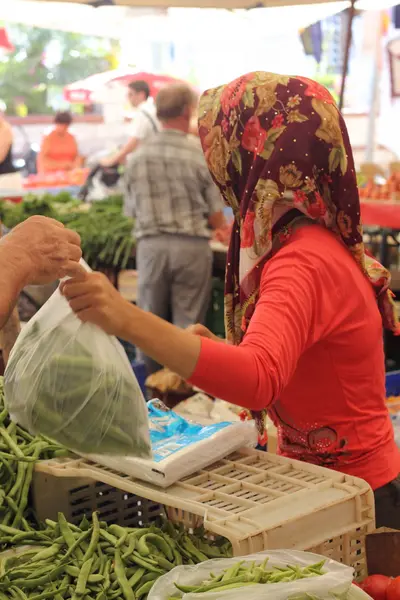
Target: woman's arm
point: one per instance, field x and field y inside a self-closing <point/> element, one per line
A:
<point x="95" y="300"/>
<point x="6" y="139"/>
<point x="250" y="375"/>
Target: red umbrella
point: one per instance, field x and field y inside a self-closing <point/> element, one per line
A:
<point x="82" y="91"/>
<point x="5" y="43"/>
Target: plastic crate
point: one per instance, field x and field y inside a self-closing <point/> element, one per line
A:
<point x="256" y="500"/>
<point x="77" y="497"/>
<point x="393" y="384"/>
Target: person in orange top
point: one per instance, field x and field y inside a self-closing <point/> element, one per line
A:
<point x="59" y="150"/>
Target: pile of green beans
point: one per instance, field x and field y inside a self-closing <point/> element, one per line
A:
<point x="93" y="561"/>
<point x="243" y="575"/>
<point x="106" y="233"/>
<point x="19" y="451"/>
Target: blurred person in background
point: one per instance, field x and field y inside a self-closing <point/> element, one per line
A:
<point x="144" y="123"/>
<point x="6" y="142"/>
<point x="59" y="149"/>
<point x="175" y="203"/>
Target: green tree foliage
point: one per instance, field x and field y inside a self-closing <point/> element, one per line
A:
<point x="44" y="59"/>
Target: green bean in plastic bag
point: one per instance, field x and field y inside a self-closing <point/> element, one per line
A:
<point x="72" y="382"/>
<point x="268" y="575"/>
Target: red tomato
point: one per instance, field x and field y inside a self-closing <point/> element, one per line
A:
<point x="376" y="586"/>
<point x="393" y="590"/>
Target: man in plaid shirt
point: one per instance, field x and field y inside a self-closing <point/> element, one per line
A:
<point x="175" y="204"/>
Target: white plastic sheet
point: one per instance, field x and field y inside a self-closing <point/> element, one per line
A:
<point x="72" y="382"/>
<point x="335" y="583"/>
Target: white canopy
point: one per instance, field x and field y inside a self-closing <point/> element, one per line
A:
<point x="203" y="3"/>
<point x="130" y="17"/>
<point x="120" y="22"/>
<point x="230" y="4"/>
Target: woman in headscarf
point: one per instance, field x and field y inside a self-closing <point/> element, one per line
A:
<point x="304" y="303"/>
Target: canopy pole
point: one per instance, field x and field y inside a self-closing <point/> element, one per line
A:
<point x="349" y="35"/>
<point x="375" y="100"/>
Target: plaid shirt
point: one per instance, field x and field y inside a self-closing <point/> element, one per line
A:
<point x="169" y="188"/>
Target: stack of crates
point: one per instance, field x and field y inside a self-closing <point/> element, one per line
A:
<point x="258" y="501"/>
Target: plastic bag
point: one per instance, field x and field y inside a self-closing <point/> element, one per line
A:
<point x="180" y="447"/>
<point x="72" y="382"/>
<point x="335" y="583"/>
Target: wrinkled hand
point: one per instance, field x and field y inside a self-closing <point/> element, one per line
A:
<point x="95" y="300"/>
<point x="108" y="161"/>
<point x="43" y="250"/>
<point x="202" y="331"/>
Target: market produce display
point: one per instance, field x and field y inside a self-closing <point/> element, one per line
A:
<point x="380" y="587"/>
<point x="270" y="575"/>
<point x="19" y="451"/>
<point x="95" y="560"/>
<point x="74" y="177"/>
<point x="370" y="189"/>
<point x="60" y="560"/>
<point x="241" y="575"/>
<point x="106" y="234"/>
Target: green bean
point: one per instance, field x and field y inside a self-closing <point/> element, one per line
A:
<point x="131" y="546"/>
<point x="47" y="553"/>
<point x="10" y="443"/>
<point x="72" y="549"/>
<point x="144" y="563"/>
<point x="21" y="470"/>
<point x="106" y="573"/>
<point x="68" y="535"/>
<point x="121" y="576"/>
<point x="18" y="593"/>
<point x="157" y="541"/>
<point x="26" y="536"/>
<point x="136" y="577"/>
<point x="94" y="539"/>
<point x="39" y="581"/>
<point x="83" y="578"/>
<point x="9" y="530"/>
<point x="111" y="539"/>
<point x="75" y="572"/>
<point x="233" y="571"/>
<point x="144" y="589"/>
<point x="164" y="563"/>
<point x="49" y="595"/>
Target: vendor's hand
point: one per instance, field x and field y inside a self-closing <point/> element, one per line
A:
<point x="95" y="300"/>
<point x="43" y="250"/>
<point x="202" y="331"/>
<point x="107" y="162"/>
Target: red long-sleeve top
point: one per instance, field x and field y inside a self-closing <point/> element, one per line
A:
<point x="313" y="355"/>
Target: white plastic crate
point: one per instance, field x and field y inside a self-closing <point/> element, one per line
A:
<point x="258" y="501"/>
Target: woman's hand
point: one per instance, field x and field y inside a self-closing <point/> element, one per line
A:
<point x="202" y="331"/>
<point x="95" y="300"/>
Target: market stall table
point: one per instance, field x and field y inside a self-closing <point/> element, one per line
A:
<point x="381" y="213"/>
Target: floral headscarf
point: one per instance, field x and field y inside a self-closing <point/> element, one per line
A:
<point x="275" y="143"/>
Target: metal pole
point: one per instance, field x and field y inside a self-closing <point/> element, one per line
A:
<point x="374" y="106"/>
<point x="351" y="13"/>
